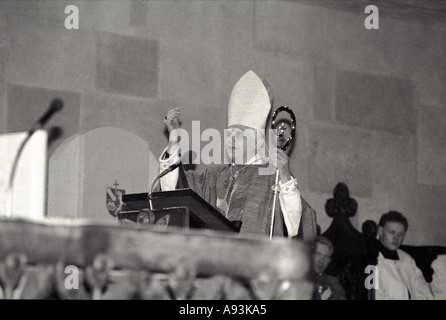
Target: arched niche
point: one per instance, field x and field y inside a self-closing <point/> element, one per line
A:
<point x="81" y="169"/>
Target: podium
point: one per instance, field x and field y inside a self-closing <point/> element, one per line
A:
<point x="186" y="209"/>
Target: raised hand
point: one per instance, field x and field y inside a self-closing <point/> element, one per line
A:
<point x="172" y="119"/>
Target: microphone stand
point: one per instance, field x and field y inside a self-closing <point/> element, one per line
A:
<point x="55" y="106"/>
<point x="10" y="186"/>
<point x="159" y="176"/>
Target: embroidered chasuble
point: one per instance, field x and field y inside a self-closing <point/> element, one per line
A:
<point x="248" y="198"/>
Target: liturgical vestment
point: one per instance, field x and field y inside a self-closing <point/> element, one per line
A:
<point x="249" y="199"/>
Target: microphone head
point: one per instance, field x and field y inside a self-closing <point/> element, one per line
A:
<point x="56" y="105"/>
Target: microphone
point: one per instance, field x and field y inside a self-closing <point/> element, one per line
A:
<point x="159" y="176"/>
<point x="55" y="106"/>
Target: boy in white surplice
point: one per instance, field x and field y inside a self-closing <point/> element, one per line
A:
<point x="398" y="276"/>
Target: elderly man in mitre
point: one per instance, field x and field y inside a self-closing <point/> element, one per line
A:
<point x="238" y="191"/>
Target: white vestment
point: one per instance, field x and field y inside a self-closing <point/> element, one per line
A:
<point x="400" y="279"/>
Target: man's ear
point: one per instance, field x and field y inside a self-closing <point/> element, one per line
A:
<point x="380" y="231"/>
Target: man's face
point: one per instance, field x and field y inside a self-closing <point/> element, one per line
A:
<point x="241" y="142"/>
<point x="392" y="235"/>
<point x="321" y="257"/>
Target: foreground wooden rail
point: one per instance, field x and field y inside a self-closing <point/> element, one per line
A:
<point x="85" y="260"/>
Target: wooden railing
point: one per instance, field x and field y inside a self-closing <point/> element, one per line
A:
<point x="84" y="260"/>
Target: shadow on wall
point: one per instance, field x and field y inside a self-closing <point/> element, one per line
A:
<point x="81" y="169"/>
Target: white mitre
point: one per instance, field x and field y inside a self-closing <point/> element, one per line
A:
<point x="249" y="104"/>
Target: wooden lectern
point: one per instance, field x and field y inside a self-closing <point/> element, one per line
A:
<point x="194" y="210"/>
